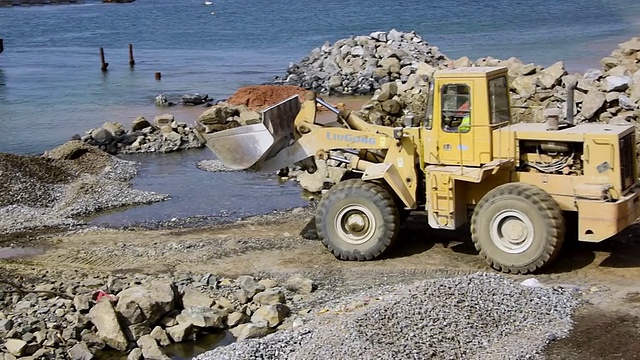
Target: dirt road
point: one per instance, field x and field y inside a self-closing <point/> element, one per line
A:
<point x="608" y="274"/>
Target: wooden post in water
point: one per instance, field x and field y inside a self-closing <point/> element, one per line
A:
<point x="158" y="76"/>
<point x="105" y="65"/>
<point x="132" y="62"/>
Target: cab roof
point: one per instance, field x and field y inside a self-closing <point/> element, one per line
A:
<point x="471" y="71"/>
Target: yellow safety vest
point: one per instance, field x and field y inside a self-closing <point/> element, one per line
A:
<point x="465" y="125"/>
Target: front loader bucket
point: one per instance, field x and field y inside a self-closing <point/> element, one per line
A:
<point x="247" y="146"/>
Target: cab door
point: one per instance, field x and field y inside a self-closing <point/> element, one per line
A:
<point x="453" y="117"/>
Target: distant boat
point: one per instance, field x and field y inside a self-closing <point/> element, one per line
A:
<point x="208" y="2"/>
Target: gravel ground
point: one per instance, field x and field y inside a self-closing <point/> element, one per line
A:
<point x="69" y="181"/>
<point x="213" y="166"/>
<point x="480" y="316"/>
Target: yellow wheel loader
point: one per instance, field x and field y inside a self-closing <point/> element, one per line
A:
<point x="466" y="163"/>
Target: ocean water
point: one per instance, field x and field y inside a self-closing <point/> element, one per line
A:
<point x="51" y="85"/>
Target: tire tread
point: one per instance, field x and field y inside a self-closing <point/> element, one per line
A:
<point x="545" y="204"/>
<point x="348" y="188"/>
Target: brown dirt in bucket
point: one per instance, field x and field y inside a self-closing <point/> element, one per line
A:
<point x="257" y="97"/>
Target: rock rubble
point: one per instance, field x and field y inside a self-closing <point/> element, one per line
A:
<point x="361" y="64"/>
<point x="395" y="67"/>
<point x="72" y="180"/>
<point x="480" y="316"/>
<point x="139" y="314"/>
<point x="164" y="135"/>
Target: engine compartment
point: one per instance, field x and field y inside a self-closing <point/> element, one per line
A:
<point x="551" y="157"/>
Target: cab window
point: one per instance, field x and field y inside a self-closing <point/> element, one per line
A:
<point x="456" y="110"/>
<point x="428" y="123"/>
<point x="499" y="100"/>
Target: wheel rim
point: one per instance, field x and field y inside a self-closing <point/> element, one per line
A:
<point x="512" y="231"/>
<point x="355" y="224"/>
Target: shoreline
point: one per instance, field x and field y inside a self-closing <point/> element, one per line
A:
<point x="126" y="113"/>
<point x="79" y="262"/>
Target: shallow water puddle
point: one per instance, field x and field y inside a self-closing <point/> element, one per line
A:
<point x="17" y="252"/>
<point x="181" y="351"/>
<point x="199" y="193"/>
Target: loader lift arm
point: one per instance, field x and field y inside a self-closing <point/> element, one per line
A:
<point x="313" y="141"/>
<point x="290" y="135"/>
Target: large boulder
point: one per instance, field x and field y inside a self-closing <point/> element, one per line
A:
<point x="102" y="136"/>
<point x="218" y="114"/>
<point x="154" y="300"/>
<point x="160" y="335"/>
<point x="525" y="86"/>
<point x="551" y="76"/>
<point x="251" y="331"/>
<point x="634" y="87"/>
<point x="248" y="287"/>
<point x="616" y="83"/>
<point x="273" y="315"/>
<point x="80" y="351"/>
<point x="592" y="103"/>
<point x="140" y="123"/>
<point x="269" y="297"/>
<point x="300" y="284"/>
<point x="104" y="317"/>
<point x="194" y="298"/>
<point x="180" y="332"/>
<point x="163" y="119"/>
<point x="203" y="317"/>
<point x="15" y="347"/>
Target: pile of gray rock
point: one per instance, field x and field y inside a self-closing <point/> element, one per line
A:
<point x="164" y="135"/>
<point x="359" y="65"/>
<point x="139" y="314"/>
<point x="610" y="94"/>
<point x="395" y="67"/>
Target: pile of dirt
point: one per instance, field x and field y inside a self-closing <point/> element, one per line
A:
<point x="258" y="97"/>
<point x="31" y="180"/>
<point x="80" y="157"/>
<point x="72" y="180"/>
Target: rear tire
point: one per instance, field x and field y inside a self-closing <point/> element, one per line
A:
<point x="357" y="220"/>
<point x="518" y="228"/>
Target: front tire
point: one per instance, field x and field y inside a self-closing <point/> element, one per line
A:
<point x="357" y="220"/>
<point x="518" y="228"/>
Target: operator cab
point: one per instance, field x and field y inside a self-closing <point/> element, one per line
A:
<point x="465" y="106"/>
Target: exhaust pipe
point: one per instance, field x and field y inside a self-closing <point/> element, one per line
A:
<point x="571" y="87"/>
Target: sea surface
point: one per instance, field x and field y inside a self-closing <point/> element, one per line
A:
<point x="52" y="87"/>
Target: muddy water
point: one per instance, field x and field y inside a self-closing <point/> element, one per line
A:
<point x="181" y="351"/>
<point x="12" y="253"/>
<point x="196" y="192"/>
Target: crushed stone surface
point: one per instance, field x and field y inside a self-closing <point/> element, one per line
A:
<point x="71" y="180"/>
<point x="479" y="316"/>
